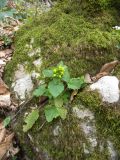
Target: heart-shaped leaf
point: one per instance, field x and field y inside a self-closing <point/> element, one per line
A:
<point x="55" y="88"/>
<point x="51" y="112"/>
<point x="40" y="90"/>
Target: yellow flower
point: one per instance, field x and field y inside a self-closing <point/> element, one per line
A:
<point x="60" y="76"/>
<point x="62" y="72"/>
<point x="54" y="70"/>
<point x="54" y="75"/>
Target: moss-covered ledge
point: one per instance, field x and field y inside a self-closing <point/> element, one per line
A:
<point x="85" y="42"/>
<point x="56" y="140"/>
<point x="107" y="116"/>
<point x="63" y="139"/>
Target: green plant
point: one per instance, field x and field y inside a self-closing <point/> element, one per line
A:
<point x="56" y="87"/>
<point x="30" y="120"/>
<point x="6" y="121"/>
<point x="7" y="40"/>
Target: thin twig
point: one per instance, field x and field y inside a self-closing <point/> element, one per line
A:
<point x="21" y="108"/>
<point x="42" y="125"/>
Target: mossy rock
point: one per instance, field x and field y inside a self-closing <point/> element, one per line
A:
<point x="81" y="42"/>
<point x="106" y="115"/>
<point x="63" y="139"/>
<point x="84" y="43"/>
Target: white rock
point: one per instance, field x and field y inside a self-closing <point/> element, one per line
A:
<point x="20" y="73"/>
<point x="108" y="87"/>
<point x="83" y="113"/>
<point x="89" y="129"/>
<point x="22" y="84"/>
<point x="87" y="124"/>
<point x="37" y="62"/>
<point x="34" y="52"/>
<point x="116" y="27"/>
<point x="111" y="149"/>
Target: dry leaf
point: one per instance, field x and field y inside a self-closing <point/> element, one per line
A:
<point x="108" y="67"/>
<point x="105" y="70"/>
<point x="5" y="100"/>
<point x="4" y="95"/>
<point x="13" y="151"/>
<point x="2" y="132"/>
<point x="98" y="76"/>
<point x="1" y="43"/>
<point x="5" y="145"/>
<point x="74" y="93"/>
<point x="3" y="87"/>
<point x="11" y="4"/>
<point x="5" y="140"/>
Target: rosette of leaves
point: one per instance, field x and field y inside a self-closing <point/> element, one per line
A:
<point x="57" y="88"/>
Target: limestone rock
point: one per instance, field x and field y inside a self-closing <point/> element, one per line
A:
<point x="87" y="125"/>
<point x="37" y="62"/>
<point x="22" y="84"/>
<point x="108" y="87"/>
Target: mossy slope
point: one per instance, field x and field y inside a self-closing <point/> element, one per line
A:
<point x="84" y="40"/>
<point x="66" y="33"/>
<point x="107" y="116"/>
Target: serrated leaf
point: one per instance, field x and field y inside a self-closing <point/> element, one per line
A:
<point x="6" y="121"/>
<point x="62" y="112"/>
<point x="75" y="83"/>
<point x="30" y="120"/>
<point x="48" y="73"/>
<point x="51" y="112"/>
<point x="40" y="90"/>
<point x="55" y="88"/>
<point x="58" y="102"/>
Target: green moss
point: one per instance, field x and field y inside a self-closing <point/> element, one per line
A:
<point x="70" y="139"/>
<point x="107" y="116"/>
<point x="68" y="36"/>
<point x="66" y="145"/>
<point x="108" y="124"/>
<point x="66" y="33"/>
<point x="89" y="98"/>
